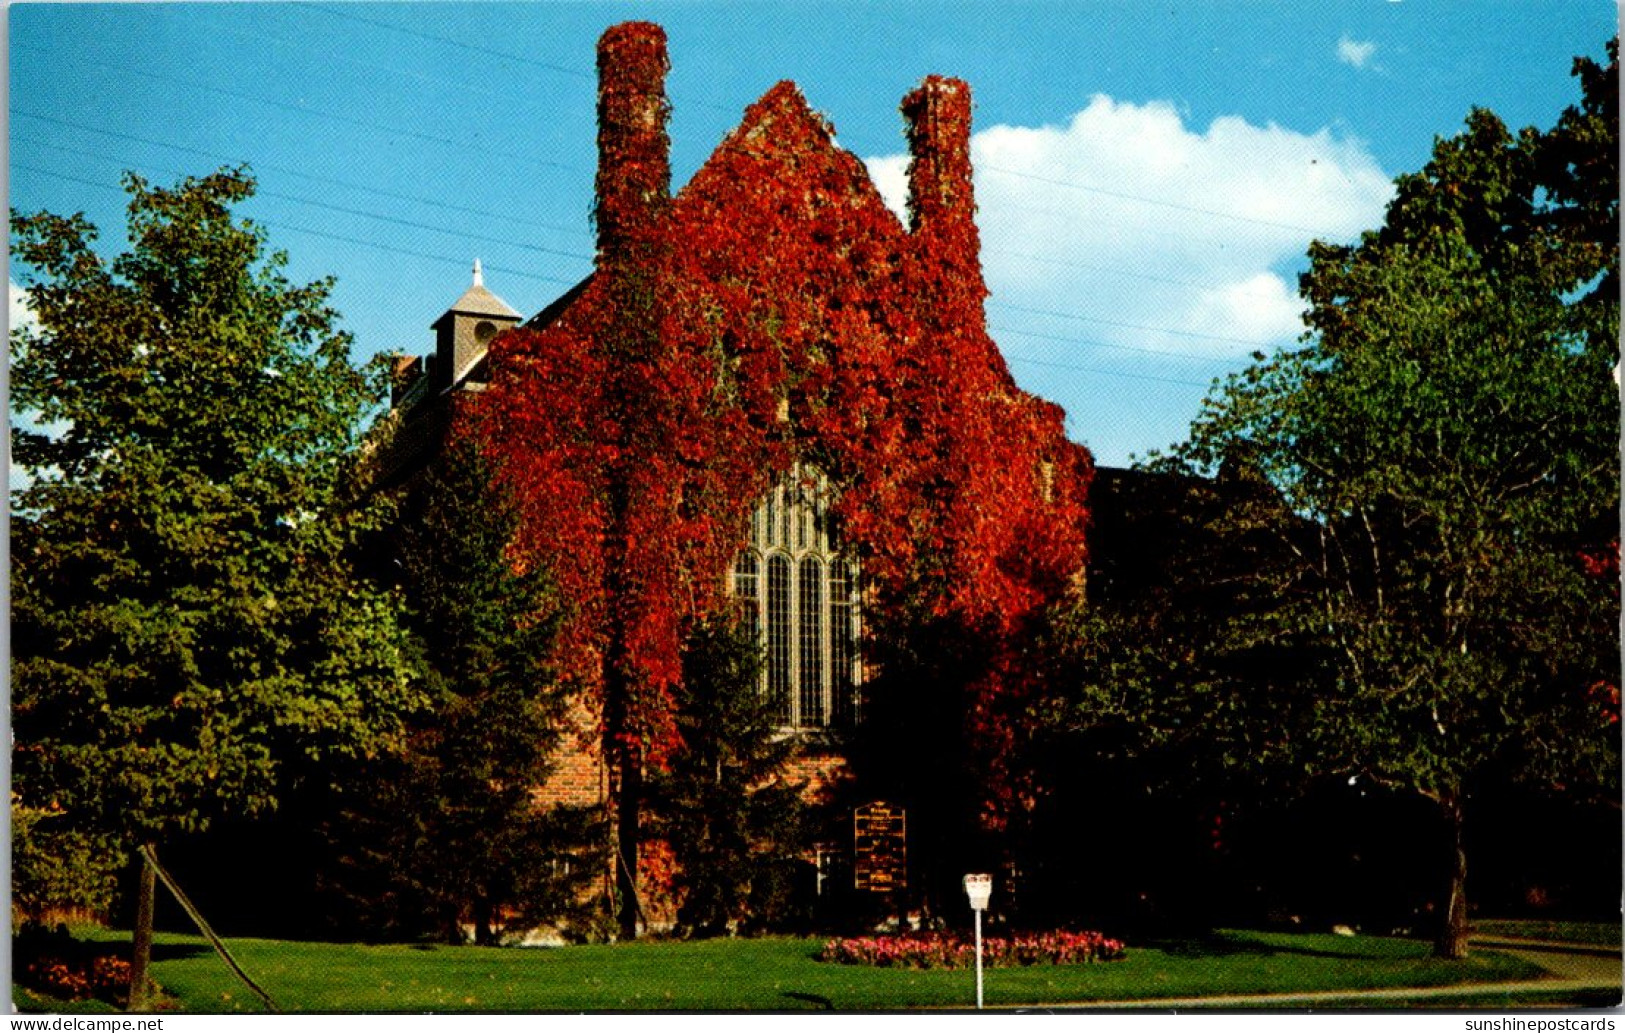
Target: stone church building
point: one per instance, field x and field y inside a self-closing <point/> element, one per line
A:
<point x="770" y="398"/>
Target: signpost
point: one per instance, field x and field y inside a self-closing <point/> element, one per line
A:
<point x="978" y="888"/>
<point x="879" y="848"/>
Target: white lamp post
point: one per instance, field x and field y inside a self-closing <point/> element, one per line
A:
<point x="978" y="888"/>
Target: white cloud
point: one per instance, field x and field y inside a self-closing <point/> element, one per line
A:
<point x="1161" y="251"/>
<point x="17" y="311"/>
<point x="1263" y="308"/>
<point x="890" y="177"/>
<point x="1355" y="53"/>
<point x="19" y="314"/>
<point x="1130" y="218"/>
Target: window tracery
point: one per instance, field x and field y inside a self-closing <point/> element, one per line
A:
<point x="805" y="608"/>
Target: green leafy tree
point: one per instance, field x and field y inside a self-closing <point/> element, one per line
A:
<point x="55" y="869"/>
<point x="185" y="619"/>
<point x="733" y="819"/>
<point x="449" y="831"/>
<point x="1449" y="432"/>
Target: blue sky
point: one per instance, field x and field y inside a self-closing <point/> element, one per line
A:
<point x="1149" y="175"/>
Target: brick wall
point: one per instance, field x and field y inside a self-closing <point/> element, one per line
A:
<point x="822" y="771"/>
<point x="579" y="776"/>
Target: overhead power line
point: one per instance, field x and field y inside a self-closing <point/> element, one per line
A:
<point x="335" y="55"/>
<point x="291" y="228"/>
<point x="304" y="174"/>
<point x="329" y="206"/>
<point x="463" y="145"/>
<point x="1142" y="199"/>
<point x="442" y="259"/>
<point x="1115" y="271"/>
<point x="584" y="256"/>
<point x="579" y="73"/>
<point x="1109" y="372"/>
<point x="506" y="55"/>
<point x="471" y="238"/>
<point x="1156" y="352"/>
<point x="460" y="145"/>
<point x="1129" y="326"/>
<point x="520" y="219"/>
<point x="349" y="14"/>
<point x="532" y="275"/>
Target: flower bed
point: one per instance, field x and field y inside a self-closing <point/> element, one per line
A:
<point x="106" y="978"/>
<point x="54" y="963"/>
<point x="947" y="950"/>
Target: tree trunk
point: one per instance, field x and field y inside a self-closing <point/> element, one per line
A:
<point x="141" y="953"/>
<point x="1451" y="941"/>
<point x="627" y="819"/>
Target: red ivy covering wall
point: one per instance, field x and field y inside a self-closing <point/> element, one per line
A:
<point x="776" y="310"/>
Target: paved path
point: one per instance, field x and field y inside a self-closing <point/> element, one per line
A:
<point x="1570" y="968"/>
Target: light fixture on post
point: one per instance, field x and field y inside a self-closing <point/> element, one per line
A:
<point x="978" y="888"/>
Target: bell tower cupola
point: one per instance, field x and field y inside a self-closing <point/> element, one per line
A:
<point x="464" y="332"/>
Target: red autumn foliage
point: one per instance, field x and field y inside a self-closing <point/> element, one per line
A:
<point x="776" y="311"/>
<point x="1604" y="695"/>
<point x="1601" y="563"/>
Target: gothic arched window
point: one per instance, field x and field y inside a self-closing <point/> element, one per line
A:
<point x="843" y="641"/>
<point x="806" y="608"/>
<point x="780" y="627"/>
<point x="745" y="590"/>
<point x="810" y="655"/>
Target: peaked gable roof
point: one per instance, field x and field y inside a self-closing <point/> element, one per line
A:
<point x="779" y="170"/>
<point x="782" y="161"/>
<point x="479" y="301"/>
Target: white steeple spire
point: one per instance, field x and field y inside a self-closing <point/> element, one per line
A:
<point x="479" y="277"/>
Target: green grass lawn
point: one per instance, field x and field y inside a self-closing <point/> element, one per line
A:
<point x="772" y="974"/>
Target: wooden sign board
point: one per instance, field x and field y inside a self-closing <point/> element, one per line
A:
<point x="880" y="848"/>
